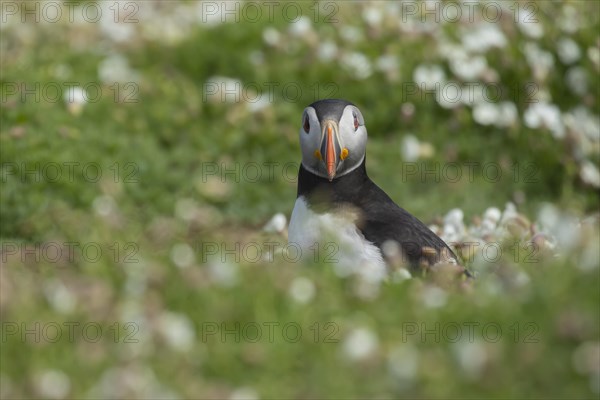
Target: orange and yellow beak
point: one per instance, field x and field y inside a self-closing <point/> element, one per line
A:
<point x="331" y="152"/>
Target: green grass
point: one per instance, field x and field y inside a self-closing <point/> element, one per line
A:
<point x="157" y="197"/>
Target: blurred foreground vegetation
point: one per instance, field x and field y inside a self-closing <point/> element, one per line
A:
<point x="135" y="202"/>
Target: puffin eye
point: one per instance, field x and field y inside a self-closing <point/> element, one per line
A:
<point x="306" y="125"/>
<point x="355" y="121"/>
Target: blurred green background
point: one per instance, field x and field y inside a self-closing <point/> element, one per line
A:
<point x="147" y="149"/>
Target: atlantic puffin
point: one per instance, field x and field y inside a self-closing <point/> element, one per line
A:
<point x="337" y="200"/>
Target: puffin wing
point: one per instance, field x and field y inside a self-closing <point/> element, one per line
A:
<point x="384" y="220"/>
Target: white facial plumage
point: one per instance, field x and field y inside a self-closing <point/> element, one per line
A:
<point x="349" y="133"/>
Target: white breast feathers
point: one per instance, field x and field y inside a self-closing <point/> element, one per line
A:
<point x="333" y="237"/>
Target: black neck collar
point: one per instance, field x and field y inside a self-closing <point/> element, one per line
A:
<point x="345" y="189"/>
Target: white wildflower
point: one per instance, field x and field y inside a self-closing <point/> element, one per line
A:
<point x="53" y="384"/>
<point x="75" y="97"/>
<point x="540" y="61"/>
<point x="357" y="64"/>
<point x="387" y="63"/>
<point x="577" y="80"/>
<point x="429" y="76"/>
<point x="75" y="94"/>
<point x="594" y="55"/>
<point x="117" y="31"/>
<point x="510" y="212"/>
<point x="300" y="27"/>
<point x="327" y="50"/>
<point x="186" y="209"/>
<point x="115" y="68"/>
<point x="468" y="68"/>
<point x="508" y="114"/>
<point x="372" y="15"/>
<point x="401" y="275"/>
<point x="583" y="122"/>
<point x="471" y="357"/>
<point x="244" y="393"/>
<point x="434" y="297"/>
<point x="360" y="344"/>
<point x="372" y="272"/>
<point x="104" y="205"/>
<point x="350" y="33"/>
<point x="257" y="103"/>
<point x="545" y="115"/>
<point x="410" y="148"/>
<point x="486" y="113"/>
<point x="449" y="95"/>
<point x="271" y="36"/>
<point x="530" y="25"/>
<point x="59" y="296"/>
<point x="484" y="37"/>
<point x="589" y="174"/>
<point x="492" y="214"/>
<point x="223" y="273"/>
<point x="569" y="20"/>
<point x="277" y="223"/>
<point x="562" y="226"/>
<point x="302" y="290"/>
<point x="455" y="217"/>
<point x="568" y="50"/>
<point x="178" y="330"/>
<point x="182" y="255"/>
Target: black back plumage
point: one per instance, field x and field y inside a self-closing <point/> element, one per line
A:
<point x="380" y="218"/>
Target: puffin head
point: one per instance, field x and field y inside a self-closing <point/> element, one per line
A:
<point x="333" y="138"/>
